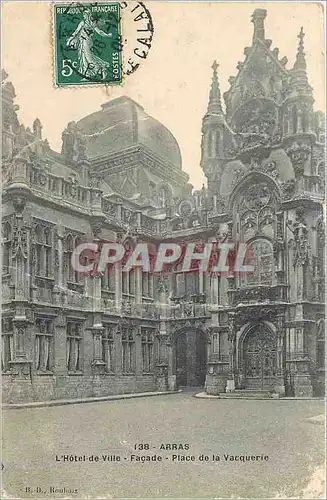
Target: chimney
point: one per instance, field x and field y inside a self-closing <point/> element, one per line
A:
<point x="258" y="18"/>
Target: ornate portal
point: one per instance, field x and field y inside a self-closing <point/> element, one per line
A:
<point x="260" y="357"/>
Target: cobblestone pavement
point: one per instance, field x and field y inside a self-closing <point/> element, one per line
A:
<point x="36" y="440"/>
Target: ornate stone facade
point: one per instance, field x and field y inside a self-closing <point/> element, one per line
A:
<point x="67" y="336"/>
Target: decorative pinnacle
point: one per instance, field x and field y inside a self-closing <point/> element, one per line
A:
<point x="258" y="19"/>
<point x="214" y="105"/>
<point x="300" y="62"/>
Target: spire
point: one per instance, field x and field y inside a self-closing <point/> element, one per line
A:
<point x="300" y="62"/>
<point x="214" y="106"/>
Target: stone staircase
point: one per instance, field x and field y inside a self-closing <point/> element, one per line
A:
<point x="248" y="394"/>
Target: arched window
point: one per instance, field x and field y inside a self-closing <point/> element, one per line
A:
<point x="69" y="247"/>
<point x="321" y="344"/>
<point x="260" y="255"/>
<point x="108" y="280"/>
<point x="39" y="258"/>
<point x="186" y="284"/>
<point x="147" y="284"/>
<point x="47" y="251"/>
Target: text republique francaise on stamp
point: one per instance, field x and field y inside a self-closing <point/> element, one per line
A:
<point x="87" y="44"/>
<point x="99" y="43"/>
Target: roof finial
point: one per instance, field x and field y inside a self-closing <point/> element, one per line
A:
<point x="214" y="105"/>
<point x="300" y="62"/>
<point x="258" y="19"/>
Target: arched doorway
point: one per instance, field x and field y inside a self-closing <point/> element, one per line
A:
<point x="260" y="358"/>
<point x="190" y="358"/>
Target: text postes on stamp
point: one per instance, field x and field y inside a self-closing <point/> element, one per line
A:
<point x="87" y="43"/>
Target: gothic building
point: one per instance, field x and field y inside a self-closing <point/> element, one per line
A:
<point x="119" y="177"/>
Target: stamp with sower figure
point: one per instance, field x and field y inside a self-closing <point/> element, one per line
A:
<point x="89" y="44"/>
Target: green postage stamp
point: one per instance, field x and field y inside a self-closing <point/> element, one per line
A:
<point x="87" y="43"/>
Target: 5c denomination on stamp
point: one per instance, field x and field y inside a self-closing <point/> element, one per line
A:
<point x="87" y="43"/>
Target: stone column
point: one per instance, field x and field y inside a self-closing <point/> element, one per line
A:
<point x="138" y="349"/>
<point x="230" y="387"/>
<point x="118" y="285"/>
<point x="138" y="286"/>
<point x="281" y="348"/>
<point x="118" y="349"/>
<point x="21" y="366"/>
<point x="171" y="375"/>
<point x="162" y="361"/>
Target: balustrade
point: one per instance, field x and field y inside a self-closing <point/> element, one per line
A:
<point x="68" y="189"/>
<point x="258" y="293"/>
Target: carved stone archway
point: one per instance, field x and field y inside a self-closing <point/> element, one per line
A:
<point x="258" y="364"/>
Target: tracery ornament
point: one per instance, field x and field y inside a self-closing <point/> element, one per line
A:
<point x="257" y="196"/>
<point x="257" y="209"/>
<point x="261" y="256"/>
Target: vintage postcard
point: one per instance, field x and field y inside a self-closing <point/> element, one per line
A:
<point x="163" y="260"/>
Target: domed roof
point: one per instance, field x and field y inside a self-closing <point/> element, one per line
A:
<point x="123" y="123"/>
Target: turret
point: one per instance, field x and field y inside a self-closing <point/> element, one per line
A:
<point x="258" y="18"/>
<point x="213" y="128"/>
<point x="298" y="104"/>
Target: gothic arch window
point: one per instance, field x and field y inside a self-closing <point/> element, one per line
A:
<point x="72" y="276"/>
<point x="39" y="260"/>
<point x="47" y="251"/>
<point x="129" y="282"/>
<point x="6" y="258"/>
<point x="69" y="247"/>
<point x="260" y="255"/>
<point x="321" y="344"/>
<point x="186" y="284"/>
<point x="43" y="345"/>
<point x="294" y="119"/>
<point x="108" y="280"/>
<point x="74" y="346"/>
<point x="147" y="285"/>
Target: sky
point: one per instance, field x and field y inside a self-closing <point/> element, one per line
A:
<point x="173" y="83"/>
